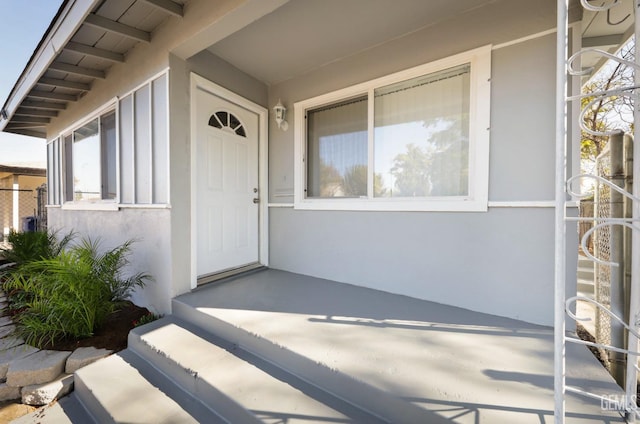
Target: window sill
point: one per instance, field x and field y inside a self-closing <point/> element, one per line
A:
<point x="91" y="206"/>
<point x="394" y="205"/>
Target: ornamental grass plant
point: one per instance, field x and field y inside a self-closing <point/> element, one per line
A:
<point x="31" y="246"/>
<point x="69" y="294"/>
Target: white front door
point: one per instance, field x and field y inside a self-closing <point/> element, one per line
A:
<point x="227" y="187"/>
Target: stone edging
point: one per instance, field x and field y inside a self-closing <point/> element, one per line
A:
<point x="35" y="376"/>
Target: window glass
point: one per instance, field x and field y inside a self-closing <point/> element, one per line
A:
<point x="86" y="162"/>
<point x="337" y="150"/>
<point x="90" y="160"/>
<point x="421" y="136"/>
<point x="415" y="140"/>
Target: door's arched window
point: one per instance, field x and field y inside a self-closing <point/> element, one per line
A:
<point x="227" y="121"/>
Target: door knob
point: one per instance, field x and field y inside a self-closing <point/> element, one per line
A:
<point x="256" y="200"/>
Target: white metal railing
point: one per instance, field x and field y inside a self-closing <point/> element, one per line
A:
<point x="562" y="306"/>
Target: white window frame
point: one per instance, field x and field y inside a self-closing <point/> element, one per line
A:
<point x="95" y="204"/>
<point x="479" y="129"/>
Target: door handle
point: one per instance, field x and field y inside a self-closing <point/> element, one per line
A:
<point x="256" y="200"/>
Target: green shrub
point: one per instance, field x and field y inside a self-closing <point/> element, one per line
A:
<point x="70" y="294"/>
<point x="32" y="246"/>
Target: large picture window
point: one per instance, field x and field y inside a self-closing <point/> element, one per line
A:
<point x="90" y="157"/>
<point x="416" y="140"/>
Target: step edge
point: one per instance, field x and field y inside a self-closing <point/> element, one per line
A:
<point x="200" y="382"/>
<point x="387" y="407"/>
<point x="92" y="402"/>
<point x="186" y="379"/>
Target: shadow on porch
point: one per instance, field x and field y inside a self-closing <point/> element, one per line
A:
<point x="276" y="347"/>
<point x="402" y="359"/>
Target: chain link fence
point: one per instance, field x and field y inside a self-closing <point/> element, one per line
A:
<point x="611" y="243"/>
<point x="602" y="249"/>
<point x="22" y="210"/>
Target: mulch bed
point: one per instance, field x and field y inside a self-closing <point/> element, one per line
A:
<point x="112" y="336"/>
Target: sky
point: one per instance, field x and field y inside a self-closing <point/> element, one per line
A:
<point x="22" y="25"/>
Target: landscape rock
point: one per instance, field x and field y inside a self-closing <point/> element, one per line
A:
<point x="84" y="356"/>
<point x="5" y="320"/>
<point x="6" y="330"/>
<point x="43" y="394"/>
<point x="38" y="368"/>
<point x="8" y="392"/>
<point x="11" y="354"/>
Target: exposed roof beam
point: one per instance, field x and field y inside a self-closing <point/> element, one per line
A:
<point x="116" y="27"/>
<point x="67" y="23"/>
<point x="43" y="105"/>
<point x="54" y="82"/>
<point x="77" y="70"/>
<point x="36" y="112"/>
<point x="167" y="6"/>
<point x="246" y="13"/>
<point x="603" y="40"/>
<point x="23" y="125"/>
<point x="29" y="120"/>
<point x="51" y="95"/>
<point x="94" y="51"/>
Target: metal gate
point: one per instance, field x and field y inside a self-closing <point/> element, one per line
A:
<point x="616" y="225"/>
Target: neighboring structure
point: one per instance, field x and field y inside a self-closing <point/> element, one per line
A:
<point x="18" y="196"/>
<point x="416" y="155"/>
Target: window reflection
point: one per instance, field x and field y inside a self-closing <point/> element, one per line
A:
<point x="86" y="162"/>
<point x="421" y="136"/>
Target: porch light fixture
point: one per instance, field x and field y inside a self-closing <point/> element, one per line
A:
<point x="281" y="113"/>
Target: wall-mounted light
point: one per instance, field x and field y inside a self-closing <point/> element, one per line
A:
<point x="281" y="114"/>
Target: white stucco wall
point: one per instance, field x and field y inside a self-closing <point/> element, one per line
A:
<point x="151" y="252"/>
<point x="500" y="261"/>
<point x="163" y="249"/>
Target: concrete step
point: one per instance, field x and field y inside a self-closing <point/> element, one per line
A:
<point x="118" y="389"/>
<point x="586" y="288"/>
<point x="585" y="274"/>
<point x="237" y="385"/>
<point x="585" y="268"/>
<point x="380" y="405"/>
<point x="67" y="410"/>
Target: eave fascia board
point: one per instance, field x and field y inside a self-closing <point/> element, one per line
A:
<point x="68" y="20"/>
<point x="30" y="133"/>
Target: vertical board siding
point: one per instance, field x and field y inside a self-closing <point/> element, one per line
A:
<point x="143" y="148"/>
<point x="144" y="144"/>
<point x="51" y="174"/>
<point x="56" y="171"/>
<point x="142" y="157"/>
<point x="126" y="151"/>
<point x="160" y="131"/>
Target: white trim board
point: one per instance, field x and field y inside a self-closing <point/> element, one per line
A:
<point x="491" y="204"/>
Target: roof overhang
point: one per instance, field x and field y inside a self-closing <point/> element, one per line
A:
<point x="271" y="40"/>
<point x="84" y="39"/>
<point x="606" y="30"/>
<point x="6" y="170"/>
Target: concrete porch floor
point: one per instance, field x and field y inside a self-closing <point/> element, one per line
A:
<point x="452" y="364"/>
